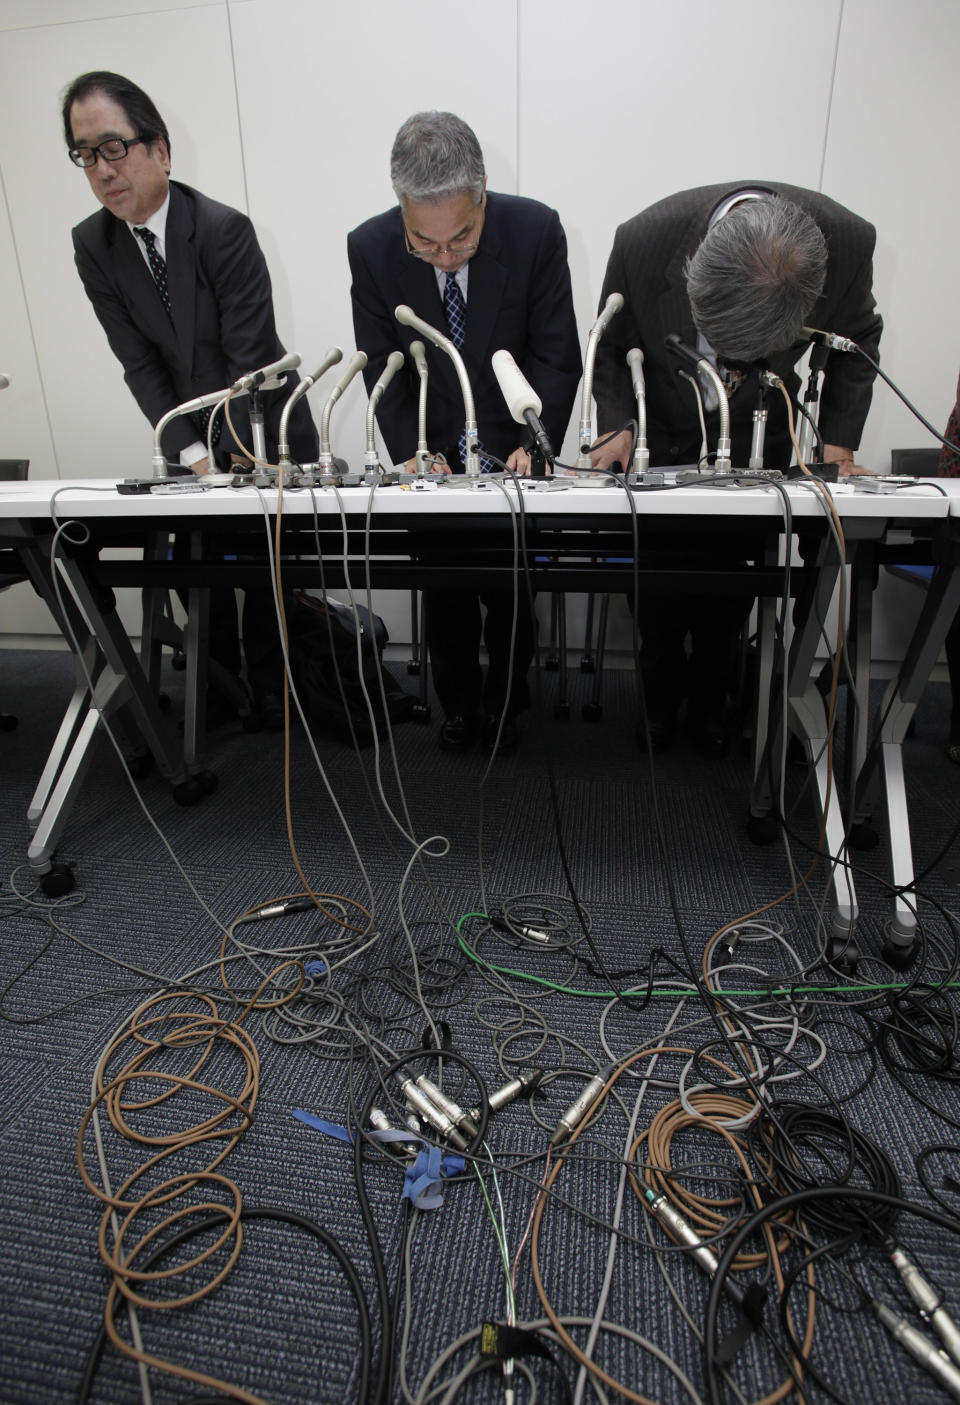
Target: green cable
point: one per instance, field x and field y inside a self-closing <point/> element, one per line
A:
<point x="675" y="994"/>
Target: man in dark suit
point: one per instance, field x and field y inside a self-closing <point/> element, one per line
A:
<point x="735" y="270"/>
<point x="496" y="265"/>
<point x="181" y="288"/>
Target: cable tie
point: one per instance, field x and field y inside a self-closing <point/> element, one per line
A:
<point x="320" y="1124"/>
<point x="316" y="968"/>
<point x="428" y="1171"/>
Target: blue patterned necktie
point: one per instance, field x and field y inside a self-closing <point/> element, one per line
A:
<point x="456" y="313"/>
<point x="158" y="267"/>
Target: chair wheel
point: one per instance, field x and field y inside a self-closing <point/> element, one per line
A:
<point x="163" y="702"/>
<point x="179" y="661"/>
<point x="58" y="881"/>
<point x="591" y="711"/>
<point x="420" y="712"/>
<point x="551" y="663"/>
<point x="413" y="668"/>
<point x="587" y="664"/>
<point x="762" y="829"/>
<point x="561" y="711"/>
<point x="7" y="722"/>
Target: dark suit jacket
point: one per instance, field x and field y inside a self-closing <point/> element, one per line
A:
<point x="646" y="266"/>
<point x="223" y="324"/>
<point x="518" y="297"/>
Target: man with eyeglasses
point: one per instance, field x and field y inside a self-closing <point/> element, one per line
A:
<point x="489" y="271"/>
<point x="181" y="288"/>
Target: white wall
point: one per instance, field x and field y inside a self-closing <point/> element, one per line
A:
<point x="287" y="109"/>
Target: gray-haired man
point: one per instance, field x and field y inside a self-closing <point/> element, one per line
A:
<point x="496" y="265"/>
<point x="735" y="270"/>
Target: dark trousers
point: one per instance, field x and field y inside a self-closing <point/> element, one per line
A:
<point x="713" y="625"/>
<point x="455" y="628"/>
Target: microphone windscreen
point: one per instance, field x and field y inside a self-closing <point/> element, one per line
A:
<point x="517" y="390"/>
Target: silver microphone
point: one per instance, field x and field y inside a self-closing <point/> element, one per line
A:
<point x="300" y="389"/>
<point x="419" y="353"/>
<point x="158" y="464"/>
<point x="641" y="454"/>
<point x="408" y="318"/>
<point x="831" y="339"/>
<point x="254" y="379"/>
<point x="394" y="362"/>
<point x="611" y="307"/>
<point x="356" y="363"/>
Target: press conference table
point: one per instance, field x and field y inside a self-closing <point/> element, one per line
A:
<point x="571" y="538"/>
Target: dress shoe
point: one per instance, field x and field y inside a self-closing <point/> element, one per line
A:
<point x="457" y="733"/>
<point x="269" y="709"/>
<point x="509" y="735"/>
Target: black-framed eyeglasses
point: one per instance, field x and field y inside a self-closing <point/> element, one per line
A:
<point x="113" y="149"/>
<point x="467" y="245"/>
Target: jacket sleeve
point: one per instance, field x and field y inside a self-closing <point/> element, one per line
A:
<point x="377" y="333"/>
<point x="848" y="307"/>
<point x="612" y="385"/>
<point x="144" y="368"/>
<point x="552" y="362"/>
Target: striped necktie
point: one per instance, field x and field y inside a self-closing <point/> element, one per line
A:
<point x="455" y="309"/>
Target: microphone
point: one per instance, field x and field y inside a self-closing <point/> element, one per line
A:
<point x="641" y="453"/>
<point x="611" y="307"/>
<point x="255" y="379"/>
<point x="408" y="318"/>
<point x="332" y="357"/>
<point x="356" y="363"/>
<point x="394" y="362"/>
<point x="522" y="400"/>
<point x="419" y="353"/>
<point x="4" y="381"/>
<point x="684" y="352"/>
<point x="158" y="464"/>
<point x="831" y="339"/>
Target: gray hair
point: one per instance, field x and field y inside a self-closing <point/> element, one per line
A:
<point x="436" y="156"/>
<point x="755" y="278"/>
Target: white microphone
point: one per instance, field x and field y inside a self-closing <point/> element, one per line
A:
<point x="831" y="339"/>
<point x="523" y="402"/>
<point x="611" y="307"/>
<point x="255" y="379"/>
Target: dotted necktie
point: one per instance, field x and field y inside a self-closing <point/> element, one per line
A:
<point x="158" y="267"/>
<point x="456" y="313"/>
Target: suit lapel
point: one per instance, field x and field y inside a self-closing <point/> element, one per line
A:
<point x="181" y="271"/>
<point x="485" y="285"/>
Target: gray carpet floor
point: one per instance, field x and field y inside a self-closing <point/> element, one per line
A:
<point x="659" y="859"/>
